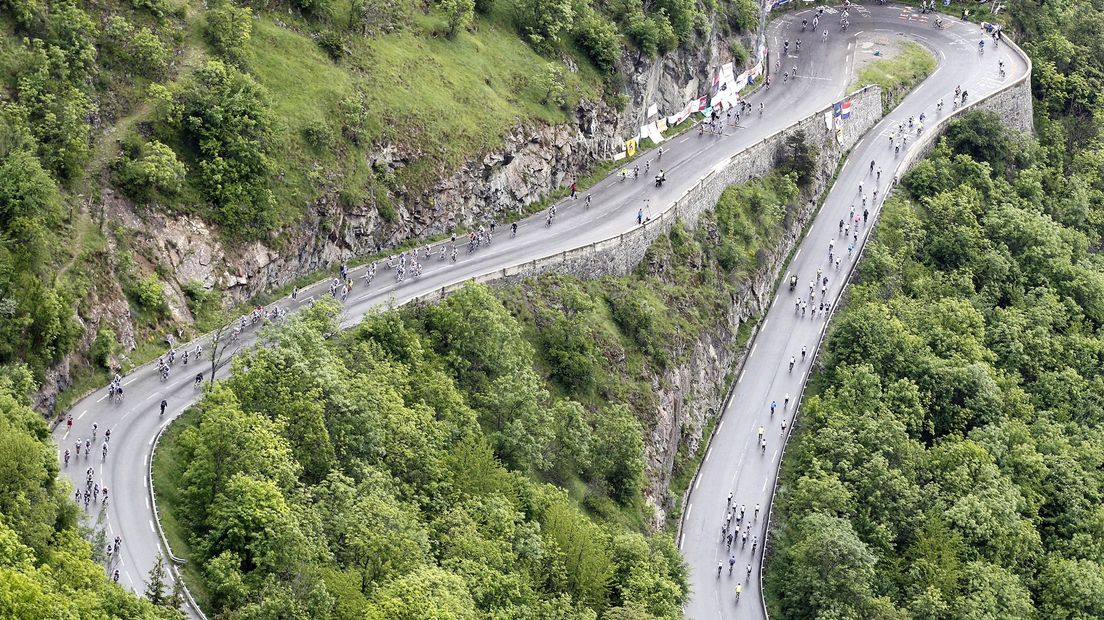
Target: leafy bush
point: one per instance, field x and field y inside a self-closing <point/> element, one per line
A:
<point x="743" y="15"/>
<point x="543" y="21"/>
<point x="459" y="13"/>
<point x="148" y="170"/>
<point x="149" y="294"/>
<point x="103" y="347"/>
<point x="599" y="39"/>
<point x="551" y="85"/>
<point x="317" y="8"/>
<point x="379" y="16"/>
<point x="739" y="53"/>
<point x="798" y="156"/>
<point x="333" y="43"/>
<point x="203" y="302"/>
<point x="229" y="28"/>
<point x="226" y="118"/>
<point x="641" y="316"/>
<point x="651" y="35"/>
<point x="157" y="8"/>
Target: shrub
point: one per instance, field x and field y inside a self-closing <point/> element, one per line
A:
<point x="739" y="53"/>
<point x="743" y="15"/>
<point x="229" y="28"/>
<point x="148" y="170"/>
<point x="551" y="84"/>
<point x="103" y="347"/>
<point x="543" y="21"/>
<point x="226" y="117"/>
<point x="600" y="40"/>
<point x="149" y="294"/>
<point x="157" y="8"/>
<point x="460" y="14"/>
<point x="149" y="54"/>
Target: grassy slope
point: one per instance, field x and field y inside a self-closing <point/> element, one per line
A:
<point x="898" y="74"/>
<point x="445" y="100"/>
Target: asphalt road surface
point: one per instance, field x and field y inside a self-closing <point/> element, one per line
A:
<point x="735" y="461"/>
<point x="738" y="460"/>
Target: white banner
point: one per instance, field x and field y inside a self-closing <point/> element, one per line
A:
<point x="652" y="110"/>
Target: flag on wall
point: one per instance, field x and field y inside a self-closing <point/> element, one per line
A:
<point x="630" y="147"/>
<point x="846" y="110"/>
<point x="837" y="109"/>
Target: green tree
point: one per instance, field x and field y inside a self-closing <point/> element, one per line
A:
<point x="229" y="28"/>
<point x="149" y="170"/>
<point x="427" y="593"/>
<point x="599" y="39"/>
<point x="830" y="571"/>
<point x="618" y="452"/>
<point x="251" y="518"/>
<point x="229" y="442"/>
<point x="459" y="13"/>
<point x="226" y="118"/>
<point x="544" y="21"/>
<point x="155" y="584"/>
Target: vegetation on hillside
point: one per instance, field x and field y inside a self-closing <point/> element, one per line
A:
<point x="898" y="74"/>
<point x="47" y="568"/>
<point x="502" y="436"/>
<point x="949" y="461"/>
<point x="247" y="114"/>
<point x="948" y="464"/>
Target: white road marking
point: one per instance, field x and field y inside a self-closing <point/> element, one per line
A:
<point x="151" y="526"/>
<point x="719" y="425"/>
<point x="697" y="483"/>
<point x="147" y="503"/>
<point x="101" y="398"/>
<point x="708" y="454"/>
<point x="131" y="381"/>
<point x="797" y="254"/>
<point x="753" y="347"/>
<point x="741" y="375"/>
<point x="82" y="414"/>
<point x="689" y="507"/>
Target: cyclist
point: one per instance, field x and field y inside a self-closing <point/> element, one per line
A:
<point x="67" y="458"/>
<point x="731" y="563"/>
<point x="792" y="362"/>
<point x="719" y="567"/>
<point x="105" y="450"/>
<point x="164" y="404"/>
<point x="198" y="379"/>
<point x="773" y="405"/>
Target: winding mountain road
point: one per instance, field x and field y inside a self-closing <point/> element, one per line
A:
<point x="734" y="461"/>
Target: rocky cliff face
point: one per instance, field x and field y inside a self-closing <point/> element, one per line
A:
<point x="533" y="161"/>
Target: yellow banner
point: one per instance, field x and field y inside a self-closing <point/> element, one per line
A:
<point x="630" y="147"/>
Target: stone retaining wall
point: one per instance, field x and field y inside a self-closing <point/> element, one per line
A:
<point x="618" y="255"/>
